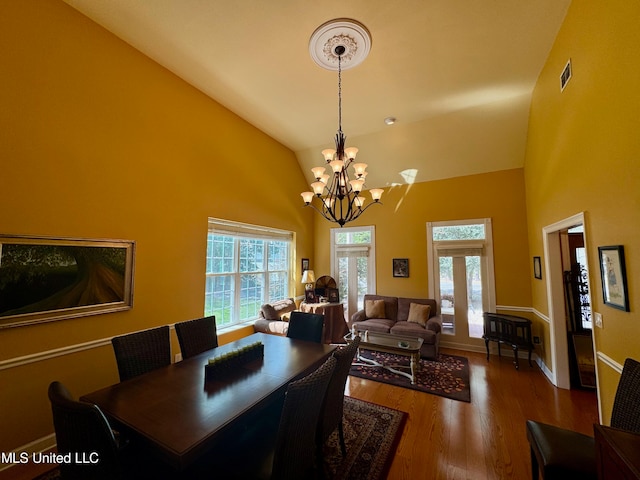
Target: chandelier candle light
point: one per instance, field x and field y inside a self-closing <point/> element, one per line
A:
<point x="334" y="42"/>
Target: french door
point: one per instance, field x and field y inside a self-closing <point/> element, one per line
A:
<point x="353" y="265"/>
<point x="461" y="277"/>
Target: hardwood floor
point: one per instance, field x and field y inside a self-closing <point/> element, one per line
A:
<point x="484" y="439"/>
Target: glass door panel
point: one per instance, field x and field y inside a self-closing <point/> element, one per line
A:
<point x="474" y="296"/>
<point x="461" y="295"/>
<point x="446" y="295"/>
<point x="353" y="275"/>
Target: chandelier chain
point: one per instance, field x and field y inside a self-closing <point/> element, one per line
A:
<point x="339" y="94"/>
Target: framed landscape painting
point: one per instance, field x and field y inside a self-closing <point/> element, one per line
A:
<point x="43" y="279"/>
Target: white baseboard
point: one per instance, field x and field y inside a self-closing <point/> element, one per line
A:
<point x="43" y="444"/>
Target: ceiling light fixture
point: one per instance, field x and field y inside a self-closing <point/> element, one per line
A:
<point x="335" y="45"/>
<point x="390" y="120"/>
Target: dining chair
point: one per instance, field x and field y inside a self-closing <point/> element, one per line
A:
<point x="287" y="452"/>
<point x="333" y="406"/>
<point x="306" y="326"/>
<point x="83" y="431"/>
<point x="197" y="336"/>
<point x="141" y="352"/>
<point x="564" y="454"/>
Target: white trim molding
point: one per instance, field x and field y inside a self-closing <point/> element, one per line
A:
<point x="609" y="362"/>
<point x="56" y="352"/>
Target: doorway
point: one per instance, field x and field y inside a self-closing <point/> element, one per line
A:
<point x="560" y="374"/>
<point x="461" y="279"/>
<point x="353" y="265"/>
<point x="578" y="308"/>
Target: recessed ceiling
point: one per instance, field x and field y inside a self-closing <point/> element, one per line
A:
<point x="458" y="76"/>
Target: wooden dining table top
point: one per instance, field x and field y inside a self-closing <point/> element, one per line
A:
<point x="182" y="416"/>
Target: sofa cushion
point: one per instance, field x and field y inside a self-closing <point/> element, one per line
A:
<point x="390" y="305"/>
<point x="374" y="309"/>
<point x="379" y="325"/>
<point x="414" y="330"/>
<point x="269" y="312"/>
<point x="276" y="327"/>
<point x="419" y="314"/>
<point x="404" y="304"/>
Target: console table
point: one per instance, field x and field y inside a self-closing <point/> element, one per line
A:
<point x="508" y="329"/>
<point x="335" y="327"/>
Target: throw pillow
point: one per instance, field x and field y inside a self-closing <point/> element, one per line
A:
<point x="269" y="312"/>
<point x="374" y="309"/>
<point x="419" y="313"/>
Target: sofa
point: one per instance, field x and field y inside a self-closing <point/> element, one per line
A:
<point x="397" y="315"/>
<point x="273" y="317"/>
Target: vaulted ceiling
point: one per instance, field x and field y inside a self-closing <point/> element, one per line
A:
<point x="457" y="74"/>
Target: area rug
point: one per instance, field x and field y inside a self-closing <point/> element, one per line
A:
<point x="372" y="433"/>
<point x="448" y="376"/>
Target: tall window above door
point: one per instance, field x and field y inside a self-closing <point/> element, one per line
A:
<point x="353" y="265"/>
<point x="247" y="266"/>
<point x="461" y="274"/>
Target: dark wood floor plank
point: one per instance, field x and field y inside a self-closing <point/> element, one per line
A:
<point x="484" y="439"/>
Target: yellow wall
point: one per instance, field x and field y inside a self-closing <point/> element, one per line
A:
<point x="98" y="141"/>
<point x="401" y="231"/>
<point x="584" y="155"/>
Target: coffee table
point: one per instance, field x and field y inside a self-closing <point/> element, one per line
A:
<point x="405" y="345"/>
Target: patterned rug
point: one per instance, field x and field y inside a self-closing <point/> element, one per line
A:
<point x="448" y="376"/>
<point x="372" y="433"/>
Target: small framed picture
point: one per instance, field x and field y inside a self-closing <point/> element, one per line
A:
<point x="309" y="296"/>
<point x="537" y="268"/>
<point x="333" y="295"/>
<point x="400" y="267"/>
<point x="305" y="264"/>
<point x="614" y="277"/>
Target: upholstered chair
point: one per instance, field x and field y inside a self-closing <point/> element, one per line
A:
<point x="561" y="454"/>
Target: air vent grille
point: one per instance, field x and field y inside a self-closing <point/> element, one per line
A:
<point x="565" y="76"/>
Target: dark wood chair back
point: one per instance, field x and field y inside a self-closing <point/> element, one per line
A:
<point x="141" y="352"/>
<point x="83" y="431"/>
<point x="197" y="336"/>
<point x="294" y="456"/>
<point x="333" y="406"/>
<point x="306" y="326"/>
<point x="626" y="405"/>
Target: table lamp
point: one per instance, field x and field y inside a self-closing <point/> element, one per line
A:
<point x="308" y="277"/>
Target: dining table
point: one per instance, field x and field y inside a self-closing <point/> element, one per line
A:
<point x="181" y="416"/>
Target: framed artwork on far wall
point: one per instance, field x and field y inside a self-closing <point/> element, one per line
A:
<point x="305" y="264"/>
<point x="614" y="277"/>
<point x="537" y="268"/>
<point x="401" y="267"/>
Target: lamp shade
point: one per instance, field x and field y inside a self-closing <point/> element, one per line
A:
<point x="308" y="276"/>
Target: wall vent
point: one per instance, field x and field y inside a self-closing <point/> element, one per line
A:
<point x="565" y="76"/>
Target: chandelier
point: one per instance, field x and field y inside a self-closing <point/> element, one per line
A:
<point x="341" y="199"/>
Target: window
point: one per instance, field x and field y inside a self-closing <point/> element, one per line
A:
<point x="247" y="266"/>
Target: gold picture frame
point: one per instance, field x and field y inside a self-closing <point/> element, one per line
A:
<point x="44" y="279"/>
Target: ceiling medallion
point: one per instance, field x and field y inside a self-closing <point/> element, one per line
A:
<point x="341" y="32"/>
